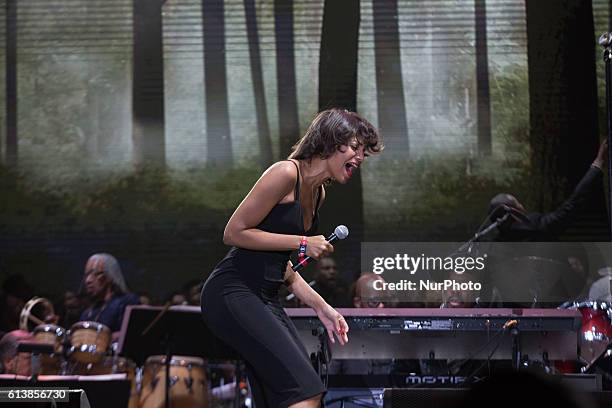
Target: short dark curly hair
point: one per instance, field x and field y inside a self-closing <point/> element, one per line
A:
<point x="333" y="128"/>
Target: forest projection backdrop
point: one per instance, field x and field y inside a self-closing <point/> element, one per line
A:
<point x="135" y="127"/>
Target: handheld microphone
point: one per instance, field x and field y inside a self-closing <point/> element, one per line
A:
<point x="340" y="232"/>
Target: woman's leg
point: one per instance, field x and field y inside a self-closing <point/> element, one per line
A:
<point x="279" y="369"/>
<point x="314" y="402"/>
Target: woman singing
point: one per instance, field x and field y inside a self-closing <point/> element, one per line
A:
<point x="279" y="215"/>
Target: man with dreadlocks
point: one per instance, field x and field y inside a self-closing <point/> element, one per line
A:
<point x="105" y="285"/>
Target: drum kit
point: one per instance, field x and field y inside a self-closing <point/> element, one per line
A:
<point x="596" y="330"/>
<point x="86" y="350"/>
<point x="544" y="277"/>
<point x="546" y="281"/>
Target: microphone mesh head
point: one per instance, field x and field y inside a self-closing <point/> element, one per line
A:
<point x="341" y="231"/>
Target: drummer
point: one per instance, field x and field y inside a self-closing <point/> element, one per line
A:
<point x="539" y="274"/>
<point x="524" y="226"/>
<point x="107" y="291"/>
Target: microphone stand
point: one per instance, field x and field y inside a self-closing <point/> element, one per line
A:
<point x="479" y="234"/>
<point x="606" y="42"/>
<point x="467" y="245"/>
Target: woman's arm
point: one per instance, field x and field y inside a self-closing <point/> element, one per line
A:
<point x="332" y="320"/>
<point x="274" y="184"/>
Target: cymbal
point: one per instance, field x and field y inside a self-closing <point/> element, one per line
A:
<point x="601" y="289"/>
<point x="605" y="271"/>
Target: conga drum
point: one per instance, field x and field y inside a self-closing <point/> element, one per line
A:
<point x="51" y="364"/>
<point x="89" y="341"/>
<point x="113" y="365"/>
<point x="188" y="385"/>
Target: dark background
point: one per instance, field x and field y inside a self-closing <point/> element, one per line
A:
<point x="135" y="127"/>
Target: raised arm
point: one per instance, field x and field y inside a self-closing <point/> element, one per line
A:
<point x="556" y="221"/>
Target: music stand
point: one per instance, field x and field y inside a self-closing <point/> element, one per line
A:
<point x="170" y="330"/>
<point x="35" y="349"/>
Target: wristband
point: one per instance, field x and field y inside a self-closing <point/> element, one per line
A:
<point x="302" y="249"/>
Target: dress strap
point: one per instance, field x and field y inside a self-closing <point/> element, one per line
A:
<point x="297" y="183"/>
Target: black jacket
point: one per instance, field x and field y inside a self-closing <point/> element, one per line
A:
<point x="539" y="227"/>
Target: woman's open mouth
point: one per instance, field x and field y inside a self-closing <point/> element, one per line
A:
<point x="349" y="168"/>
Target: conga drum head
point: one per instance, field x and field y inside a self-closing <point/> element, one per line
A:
<point x="50" y="334"/>
<point x="51" y="364"/>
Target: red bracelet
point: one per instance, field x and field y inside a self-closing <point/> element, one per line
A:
<point x="302" y="249"/>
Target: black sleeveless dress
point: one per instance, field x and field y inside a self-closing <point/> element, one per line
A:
<point x="240" y="305"/>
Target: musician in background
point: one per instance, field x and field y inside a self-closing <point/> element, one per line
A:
<point x="457" y="298"/>
<point x="176" y="298"/>
<point x="325" y="282"/>
<point x="538" y="275"/>
<point x="69" y="306"/>
<point x="193" y="290"/>
<point x="328" y="283"/>
<point x="146" y="298"/>
<point x="364" y="293"/>
<point x="523" y="226"/>
<point x="106" y="288"/>
<point x="12" y="361"/>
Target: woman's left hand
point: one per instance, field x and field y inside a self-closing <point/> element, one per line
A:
<point x="334" y="324"/>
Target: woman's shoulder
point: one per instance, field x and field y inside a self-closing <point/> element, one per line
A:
<point x="286" y="169"/>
